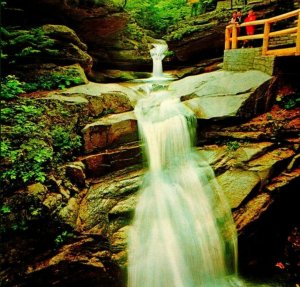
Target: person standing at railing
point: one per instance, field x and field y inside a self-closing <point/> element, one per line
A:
<point x="240" y="30"/>
<point x="234" y="21"/>
<point x="239" y="17"/>
<point x="250" y="29"/>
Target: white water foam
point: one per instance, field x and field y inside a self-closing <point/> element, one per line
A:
<point x="183" y="234"/>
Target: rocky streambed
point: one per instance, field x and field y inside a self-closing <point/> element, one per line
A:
<point x="247" y="132"/>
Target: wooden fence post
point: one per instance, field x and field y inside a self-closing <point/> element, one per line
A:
<point x="297" y="53"/>
<point x="234" y="37"/>
<point x="265" y="46"/>
<point x="227" y="39"/>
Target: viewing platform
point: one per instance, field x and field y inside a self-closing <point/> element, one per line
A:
<point x="270" y="44"/>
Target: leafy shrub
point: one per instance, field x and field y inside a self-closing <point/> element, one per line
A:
<point x="18" y="44"/>
<point x="53" y="81"/>
<point x="30" y="146"/>
<point x="28" y="161"/>
<point x="64" y="142"/>
<point x="134" y="31"/>
<point x="63" y="237"/>
<point x="290" y="101"/>
<point x="232" y="146"/>
<point x="11" y="87"/>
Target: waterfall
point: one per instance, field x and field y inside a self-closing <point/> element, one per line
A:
<point x="182" y="234"/>
<point x="158" y="54"/>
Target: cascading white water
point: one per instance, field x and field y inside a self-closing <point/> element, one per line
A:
<point x="158" y="54"/>
<point x="183" y="233"/>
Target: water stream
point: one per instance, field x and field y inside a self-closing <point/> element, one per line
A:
<point x="158" y="54"/>
<point x="182" y="234"/>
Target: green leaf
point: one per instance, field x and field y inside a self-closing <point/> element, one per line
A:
<point x="5" y="209"/>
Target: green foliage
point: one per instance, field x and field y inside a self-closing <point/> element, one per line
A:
<point x="63" y="237"/>
<point x="53" y="81"/>
<point x="159" y="15"/>
<point x="18" y="44"/>
<point x="30" y="144"/>
<point x="134" y="31"/>
<point x="20" y="226"/>
<point x="169" y="53"/>
<point x="120" y="3"/>
<point x="35" y="212"/>
<point x="232" y="146"/>
<point x="64" y="142"/>
<point x="5" y="209"/>
<point x="11" y="87"/>
<point x="23" y="149"/>
<point x="28" y="161"/>
<point x="289" y="102"/>
<point x="184" y="30"/>
<point x="17" y="215"/>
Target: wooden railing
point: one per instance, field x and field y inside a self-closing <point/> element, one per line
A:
<point x="232" y="37"/>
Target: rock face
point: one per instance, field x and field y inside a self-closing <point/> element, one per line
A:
<point x="109" y="131"/>
<point x="105" y="29"/>
<point x="116" y="42"/>
<point x="224" y="94"/>
<point x="82" y="214"/>
<point x="49" y="47"/>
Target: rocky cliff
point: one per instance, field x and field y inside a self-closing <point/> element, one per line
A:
<point x="72" y="229"/>
<point x="69" y="226"/>
<point x="104" y="37"/>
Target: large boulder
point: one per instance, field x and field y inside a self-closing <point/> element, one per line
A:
<point x="52" y="45"/>
<point x="110" y="131"/>
<point x="225" y="94"/>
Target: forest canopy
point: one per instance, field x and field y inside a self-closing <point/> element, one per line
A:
<point x="158" y="15"/>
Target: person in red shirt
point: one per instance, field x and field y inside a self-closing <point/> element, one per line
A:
<point x="251" y="28"/>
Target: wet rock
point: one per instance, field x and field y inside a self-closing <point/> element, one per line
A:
<point x="109" y="131"/>
<point x="109" y="103"/>
<point x="76" y="100"/>
<point x="109" y="76"/>
<point x="53" y="201"/>
<point x="38" y="191"/>
<point x="119" y="246"/>
<point x="272" y="161"/>
<point x="223" y="157"/>
<point x="76" y="173"/>
<point x="71" y="48"/>
<point x="113" y="159"/>
<point x="33" y="72"/>
<point x="85" y="262"/>
<point x="223" y="94"/>
<point x="103" y="196"/>
<point x="69" y="213"/>
<point x="96" y="89"/>
<point x="252" y="211"/>
<point x="238" y="184"/>
<point x="64" y="33"/>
